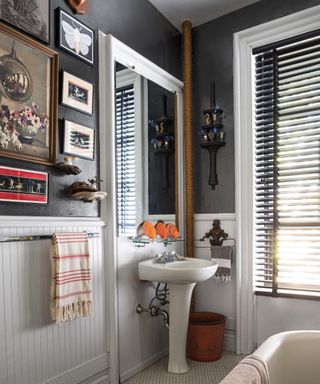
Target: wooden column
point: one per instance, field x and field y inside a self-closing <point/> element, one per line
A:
<point x="188" y="139"/>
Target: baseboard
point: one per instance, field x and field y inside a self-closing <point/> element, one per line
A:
<point x="144" y="364"/>
<point x="229" y="340"/>
<point x="105" y="379"/>
<point x="94" y="371"/>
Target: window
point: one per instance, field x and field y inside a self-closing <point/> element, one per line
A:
<point x="129" y="150"/>
<point x="287" y="167"/>
<point x="125" y="156"/>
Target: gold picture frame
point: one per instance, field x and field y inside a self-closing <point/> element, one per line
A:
<point x="28" y="98"/>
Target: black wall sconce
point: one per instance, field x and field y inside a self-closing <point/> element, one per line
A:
<point x="163" y="142"/>
<point x="212" y="135"/>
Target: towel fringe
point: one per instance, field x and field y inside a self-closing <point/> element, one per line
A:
<point x="224" y="278"/>
<point x="72" y="311"/>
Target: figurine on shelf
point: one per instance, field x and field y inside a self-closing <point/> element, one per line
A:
<point x="67" y="167"/>
<point x="81" y="190"/>
<point x="161" y="229"/>
<point x="216" y="233"/>
<point x="146" y="228"/>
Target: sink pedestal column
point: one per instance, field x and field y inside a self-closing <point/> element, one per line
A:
<point x="179" y="308"/>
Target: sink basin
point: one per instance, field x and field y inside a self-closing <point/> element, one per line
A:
<point x="185" y="271"/>
<point x="181" y="277"/>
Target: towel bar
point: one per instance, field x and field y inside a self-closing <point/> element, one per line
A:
<point x="39" y="237"/>
<point x="209" y="246"/>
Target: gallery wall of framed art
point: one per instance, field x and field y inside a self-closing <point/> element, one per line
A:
<point x="55" y="84"/>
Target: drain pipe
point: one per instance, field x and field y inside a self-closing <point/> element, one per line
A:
<point x="155" y="310"/>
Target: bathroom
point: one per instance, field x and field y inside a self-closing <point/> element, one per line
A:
<point x="115" y="343"/>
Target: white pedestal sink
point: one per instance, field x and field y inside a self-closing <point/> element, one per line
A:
<point x="181" y="277"/>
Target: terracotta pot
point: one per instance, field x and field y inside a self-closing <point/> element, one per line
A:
<point x="205" y="336"/>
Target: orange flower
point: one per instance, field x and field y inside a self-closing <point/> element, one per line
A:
<point x="161" y="230"/>
<point x="172" y="231"/>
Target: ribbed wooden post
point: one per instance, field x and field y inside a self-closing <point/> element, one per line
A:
<point x="187" y="110"/>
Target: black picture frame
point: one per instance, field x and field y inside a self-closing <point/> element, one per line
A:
<point x="75" y="37"/>
<point x="17" y="16"/>
<point x="78" y="140"/>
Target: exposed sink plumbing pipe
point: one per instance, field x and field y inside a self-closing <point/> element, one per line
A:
<point x="155" y="309"/>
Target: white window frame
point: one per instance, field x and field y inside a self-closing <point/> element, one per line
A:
<point x="243" y="43"/>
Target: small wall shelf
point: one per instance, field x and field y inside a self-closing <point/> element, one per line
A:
<point x="212" y="135"/>
<point x="142" y="241"/>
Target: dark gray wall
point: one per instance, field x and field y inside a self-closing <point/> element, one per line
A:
<point x="161" y="196"/>
<point x="139" y="25"/>
<point x="213" y="59"/>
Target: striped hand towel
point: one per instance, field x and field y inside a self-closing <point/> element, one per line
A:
<point x="71" y="281"/>
<point x="222" y="255"/>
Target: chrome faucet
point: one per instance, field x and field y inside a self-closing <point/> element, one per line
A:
<point x="166" y="257"/>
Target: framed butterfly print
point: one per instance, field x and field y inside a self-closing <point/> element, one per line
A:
<point x="75" y="37"/>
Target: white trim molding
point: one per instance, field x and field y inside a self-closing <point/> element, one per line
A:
<point x="144" y="364"/>
<point x="36" y="221"/>
<point x="244" y="42"/>
<point x="95" y="369"/>
<point x="214" y="216"/>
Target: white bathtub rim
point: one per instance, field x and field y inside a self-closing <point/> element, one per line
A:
<point x="268" y="348"/>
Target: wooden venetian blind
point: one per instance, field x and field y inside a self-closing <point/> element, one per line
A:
<point x="125" y="160"/>
<point x="287" y="167"/>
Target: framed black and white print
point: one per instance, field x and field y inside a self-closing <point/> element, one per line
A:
<point x="31" y="16"/>
<point x="76" y="93"/>
<point x="78" y="140"/>
<point x="75" y="37"/>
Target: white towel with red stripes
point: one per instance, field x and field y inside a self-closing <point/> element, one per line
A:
<point x="71" y="281"/>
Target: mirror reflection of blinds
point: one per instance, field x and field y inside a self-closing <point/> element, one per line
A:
<point x="287" y="168"/>
<point x="125" y="160"/>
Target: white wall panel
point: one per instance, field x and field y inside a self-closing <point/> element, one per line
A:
<point x="142" y="339"/>
<point x="33" y="349"/>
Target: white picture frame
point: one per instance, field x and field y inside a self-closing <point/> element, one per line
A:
<point x="77" y="93"/>
<point x="79" y="140"/>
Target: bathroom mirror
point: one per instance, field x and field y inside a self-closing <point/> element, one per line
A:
<point x="145" y="151"/>
<point x="155" y="121"/>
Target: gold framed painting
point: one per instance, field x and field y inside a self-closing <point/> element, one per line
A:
<point x="28" y="98"/>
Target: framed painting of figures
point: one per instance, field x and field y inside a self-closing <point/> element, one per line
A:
<point x="31" y="16"/>
<point x="23" y="186"/>
<point x="28" y="98"/>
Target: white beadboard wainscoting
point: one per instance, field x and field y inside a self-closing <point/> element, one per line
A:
<point x="34" y="349"/>
<point x="143" y="339"/>
<point x="213" y="295"/>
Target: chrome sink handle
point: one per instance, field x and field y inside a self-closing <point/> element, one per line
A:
<point x="166" y="257"/>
